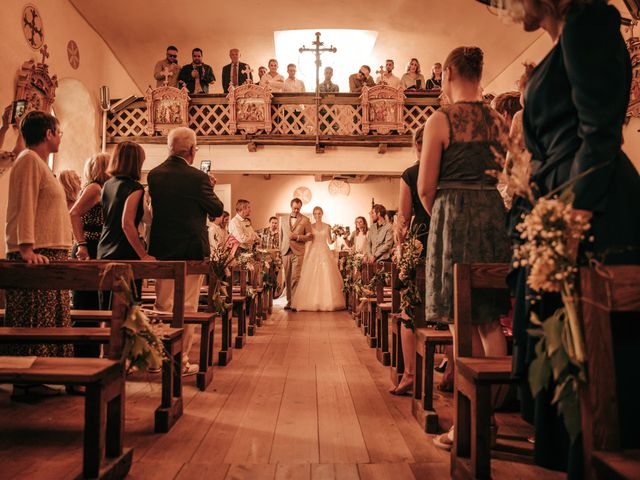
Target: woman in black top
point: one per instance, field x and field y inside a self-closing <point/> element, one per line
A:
<point x="413" y="215"/>
<point x="122" y="206"/>
<point x="575" y="106"/>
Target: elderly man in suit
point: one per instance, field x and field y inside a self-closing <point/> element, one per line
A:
<point x="236" y="73"/>
<point x="295" y="231"/>
<point x="181" y="199"/>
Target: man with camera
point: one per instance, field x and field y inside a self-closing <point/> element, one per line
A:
<point x="167" y="70"/>
<point x="360" y="79"/>
<point x="197" y="75"/>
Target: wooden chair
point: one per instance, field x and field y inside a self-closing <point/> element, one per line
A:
<point x="383" y="312"/>
<point x="368" y="313"/>
<point x="255" y="301"/>
<point x="103" y="452"/>
<point x="606" y="292"/>
<point x="474" y="377"/>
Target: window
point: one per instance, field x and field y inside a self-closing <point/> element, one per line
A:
<point x="355" y="48"/>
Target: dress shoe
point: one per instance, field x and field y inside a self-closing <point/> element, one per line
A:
<point x="189" y="369"/>
<point x="287" y="307"/>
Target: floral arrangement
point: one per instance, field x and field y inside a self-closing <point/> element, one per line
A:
<point x="142" y="347"/>
<point x="221" y="259"/>
<point x="338" y="230"/>
<point x="407" y="258"/>
<point x="269" y="258"/>
<point x="550" y="234"/>
<point x="351" y="276"/>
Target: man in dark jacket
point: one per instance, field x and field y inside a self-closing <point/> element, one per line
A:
<point x="236" y="73"/>
<point x="181" y="199"/>
<point x="196" y="76"/>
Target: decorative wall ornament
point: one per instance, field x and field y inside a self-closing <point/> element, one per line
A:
<point x="250" y="108"/>
<point x="35" y="86"/>
<point x="73" y="54"/>
<point x="339" y="187"/>
<point x="633" y="44"/>
<point x="167" y="108"/>
<point x="32" y="26"/>
<point x="303" y="193"/>
<point x="382" y="109"/>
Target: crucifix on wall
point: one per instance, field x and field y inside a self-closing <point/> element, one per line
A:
<point x="318" y="50"/>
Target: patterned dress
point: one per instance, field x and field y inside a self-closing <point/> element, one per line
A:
<point x="468" y="216"/>
<point x="38" y="308"/>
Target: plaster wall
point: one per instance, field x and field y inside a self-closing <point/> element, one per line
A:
<point x="77" y="101"/>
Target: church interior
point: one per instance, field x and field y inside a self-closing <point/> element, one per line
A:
<point x="236" y="376"/>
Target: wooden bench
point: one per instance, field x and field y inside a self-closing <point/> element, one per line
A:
<point x="255" y="302"/>
<point x="103" y="452"/>
<point x="383" y="312"/>
<point x="606" y="292"/>
<point x="396" y="366"/>
<point x="238" y="294"/>
<point x="474" y="377"/>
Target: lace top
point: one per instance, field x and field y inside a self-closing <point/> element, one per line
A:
<point x="474" y="129"/>
<point x="92" y="222"/>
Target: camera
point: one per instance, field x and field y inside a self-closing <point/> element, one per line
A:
<point x="18" y="110"/>
<point x="205" y="166"/>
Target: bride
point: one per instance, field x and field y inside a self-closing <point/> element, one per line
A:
<point x="320" y="286"/>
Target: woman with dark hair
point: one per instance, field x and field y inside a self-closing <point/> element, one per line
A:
<point x="467" y="215"/>
<point x="38" y="231"/>
<point x="413" y="216"/>
<point x="573" y="128"/>
<point x="435" y="82"/>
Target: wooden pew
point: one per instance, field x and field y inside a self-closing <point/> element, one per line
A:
<point x="254" y="301"/>
<point x="383" y="312"/>
<point x="103" y="455"/>
<point x="238" y="292"/>
<point x="474" y="377"/>
<point x="605" y="292"/>
<point x="368" y="313"/>
<point x="396" y="367"/>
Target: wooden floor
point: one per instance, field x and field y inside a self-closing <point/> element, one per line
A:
<point x="305" y="399"/>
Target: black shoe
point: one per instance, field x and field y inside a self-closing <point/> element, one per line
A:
<point x="287" y="307"/>
<point x="442" y="367"/>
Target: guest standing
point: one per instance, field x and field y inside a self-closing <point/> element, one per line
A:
<point x="235" y="73"/>
<point x="167" y="70"/>
<point x="388" y="78"/>
<point x="87" y="221"/>
<point x="413" y="216"/>
<point x="241" y="233"/>
<point x="181" y="199"/>
<point x="272" y="78"/>
<point x="38" y="230"/>
<point x="380" y="235"/>
<point x="196" y="76"/>
<point x="70" y="182"/>
<point x="467" y="215"/>
<point x="361" y="79"/>
<point x="291" y="83"/>
<point x="358" y="242"/>
<point x="327" y="86"/>
<point x="413" y="79"/>
<point x="571" y="125"/>
<point x="435" y="82"/>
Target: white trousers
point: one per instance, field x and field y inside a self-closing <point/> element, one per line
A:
<point x="164" y="303"/>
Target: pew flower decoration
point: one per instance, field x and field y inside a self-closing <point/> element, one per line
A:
<point x="221" y="259"/>
<point x="338" y="230"/>
<point x="550" y="234"/>
<point x="407" y="258"/>
<point x="142" y="343"/>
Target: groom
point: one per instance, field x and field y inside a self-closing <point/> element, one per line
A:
<point x="294" y="232"/>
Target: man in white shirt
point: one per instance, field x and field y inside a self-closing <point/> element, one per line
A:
<point x="388" y="78"/>
<point x="240" y="230"/>
<point x="292" y="84"/>
<point x="217" y="234"/>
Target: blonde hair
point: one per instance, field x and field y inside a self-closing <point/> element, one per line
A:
<point x="71" y="184"/>
<point x="95" y="169"/>
<point x="409" y="65"/>
<point x="319" y="209"/>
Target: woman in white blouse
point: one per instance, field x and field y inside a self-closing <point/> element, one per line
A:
<point x="359" y="240"/>
<point x="413" y="79"/>
<point x="272" y="78"/>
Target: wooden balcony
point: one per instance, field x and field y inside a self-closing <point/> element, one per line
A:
<point x="293" y="120"/>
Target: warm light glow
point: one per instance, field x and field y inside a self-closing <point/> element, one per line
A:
<point x="355" y="48"/>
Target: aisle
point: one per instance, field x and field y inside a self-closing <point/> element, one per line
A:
<point x="305" y="399"/>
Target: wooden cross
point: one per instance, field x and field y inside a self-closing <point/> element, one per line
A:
<point x="317" y="50"/>
<point x="381" y="73"/>
<point x="44" y="53"/>
<point x="247" y="72"/>
<point x="167" y="73"/>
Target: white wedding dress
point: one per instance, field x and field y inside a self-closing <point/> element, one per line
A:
<point x="320" y="286"/>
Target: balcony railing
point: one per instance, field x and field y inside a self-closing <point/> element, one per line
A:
<point x="293" y="121"/>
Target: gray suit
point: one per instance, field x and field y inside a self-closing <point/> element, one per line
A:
<point x="293" y="250"/>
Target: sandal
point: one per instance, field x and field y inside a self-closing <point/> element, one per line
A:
<point x="402" y="390"/>
<point x="444" y="441"/>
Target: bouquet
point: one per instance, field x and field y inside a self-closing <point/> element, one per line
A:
<point x="338" y="231"/>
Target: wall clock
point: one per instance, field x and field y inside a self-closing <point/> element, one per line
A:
<point x="303" y="193"/>
<point x="32" y="26"/>
<point x="339" y="187"/>
<point x="73" y="54"/>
